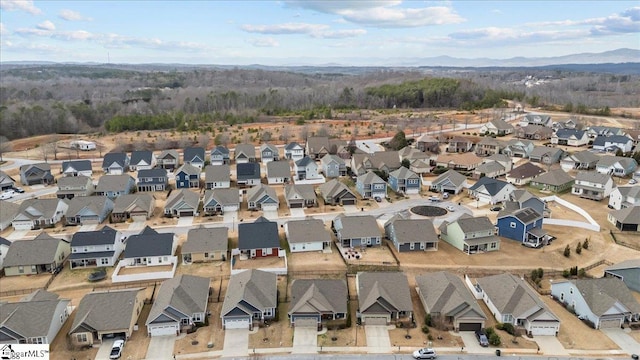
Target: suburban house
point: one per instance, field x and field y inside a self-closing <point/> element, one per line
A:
<point x="219" y="201"/>
<point x="194" y="156"/>
<point x="411" y="153"/>
<point x="138" y="207"/>
<point x="149" y="248"/>
<point x="523" y="225"/>
<point x="537" y="119"/>
<point x="306" y="169"/>
<point x="247" y="174"/>
<point x="8" y="211"/>
<point x="633" y="134"/>
<point x="4" y="247"/>
<point x="570" y="137"/>
<point x="187" y="176"/>
<point x="268" y="152"/>
<point x="555" y="181"/>
<point x="293" y="151"/>
<point x="404" y="181"/>
<point x="39" y="213"/>
<point x="616" y="165"/>
<point x="496" y="127"/>
<point x="334" y="192"/>
<point x="459" y="144"/>
<point x="464" y="162"/>
<point x="427" y="143"/>
<point x="99" y="248"/>
<point x="582" y="160"/>
<point x="83" y="145"/>
<point x="534" y="132"/>
<point x="491" y="191"/>
<point x="42" y="255"/>
<point x="627" y="219"/>
<point x="105" y="314"/>
<point x="152" y="180"/>
<point x="35" y="319"/>
<point x="142" y="160"/>
<point x="566" y="124"/>
<point x="6" y="181"/>
<point x="491" y="169"/>
<point x="518" y="148"/>
<point x="451" y="182"/>
<point x="251" y="298"/>
<point x="628" y="271"/>
<point x="205" y="245"/>
<point x="307" y="235"/>
<point x="168" y="159"/>
<point x="318" y="302"/>
<point x="217" y="176"/>
<point x="181" y="203"/>
<point x="370" y="185"/>
<point x="357" y="231"/>
<point x="411" y="234"/>
<point x="470" y="235"/>
<point x="262" y="197"/>
<point x="624" y="197"/>
<point x="523" y="174"/>
<point x="74" y="186"/>
<point x="318" y="146"/>
<point x="489" y="146"/>
<point x="244" y="153"/>
<point x="448" y="301"/>
<point x="220" y="156"/>
<point x="115" y="163"/>
<point x="525" y="199"/>
<point x="613" y="143"/>
<point x="300" y="195"/>
<point x="605" y="303"/>
<point x="383" y="298"/>
<point x="36" y="174"/>
<point x="278" y="172"/>
<point x="383" y="161"/>
<point x="259" y="239"/>
<point x="77" y="168"/>
<point x="592" y="185"/>
<point x="512" y="301"/>
<point x="546" y="155"/>
<point x="420" y="166"/>
<point x="113" y="186"/>
<point x="181" y="305"/>
<point x="88" y="210"/>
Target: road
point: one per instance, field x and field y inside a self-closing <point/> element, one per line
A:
<point x="406" y="357"/>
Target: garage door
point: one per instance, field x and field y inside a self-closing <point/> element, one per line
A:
<point x="229" y="208"/>
<point x="349" y="202"/>
<point x="90" y="220"/>
<point x="295" y="205"/>
<point x="236" y="324"/>
<point x="163" y="330"/>
<point x="543" y="330"/>
<point x="470" y="326"/>
<point x="22" y="225"/>
<point x="375" y="320"/>
<point x="139" y="218"/>
<point x="270" y="207"/>
<point x="306" y="322"/>
<point x="610" y="324"/>
<point x="185" y="213"/>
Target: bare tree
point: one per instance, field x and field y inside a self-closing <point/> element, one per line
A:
<point x="5" y="146"/>
<point x="53" y="144"/>
<point x="184" y="142"/>
<point x="304" y="133"/>
<point x="285" y="134"/>
<point x="203" y="140"/>
<point x="140" y="144"/>
<point x="265" y="136"/>
<point x="161" y="143"/>
<point x="322" y="131"/>
<point x="222" y="139"/>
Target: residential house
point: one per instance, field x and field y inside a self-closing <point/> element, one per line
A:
<point x="42" y="255"/>
<point x="36" y="174"/>
<point x="582" y="160"/>
<point x="491" y="169"/>
<point x="278" y="172"/>
<point x="496" y="127"/>
<point x="205" y="245"/>
<point x="293" y="151"/>
<point x="318" y="146"/>
<point x="105" y="314"/>
<point x="259" y="239"/>
<point x="459" y="144"/>
<point x="502" y="159"/>
<point x="35" y="319"/>
<point x="523" y="225"/>
<point x="537" y="119"/>
<point x="627" y="219"/>
<point x="512" y="301"/>
<point x="462" y="162"/>
<point x="39" y="213"/>
<point x="334" y="192"/>
<point x="306" y="169"/>
<point x="307" y="235"/>
<point x="605" y="303"/>
<point x="187" y="176"/>
<point x="77" y="168"/>
<point x="99" y="248"/>
<point x="411" y="234"/>
<point x="616" y="165"/>
<point x="624" y="196"/>
<point x="247" y="174"/>
<point x="115" y="163"/>
<point x="269" y="152"/>
<point x="152" y="180"/>
<point x="138" y="207"/>
<point x="451" y="182"/>
<point x="333" y="166"/>
<point x="489" y="146"/>
<point x="168" y="159"/>
<point x="181" y="305"/>
<point x="8" y="211"/>
<point x="74" y="186"/>
<point x="88" y="210"/>
<point x="318" y="302"/>
<point x="383" y="161"/>
<point x="448" y="301"/>
<point x="251" y="298"/>
<point x="613" y="143"/>
<point x="410" y="153"/>
<point x="570" y="137"/>
<point x="633" y="134"/>
<point x="217" y="177"/>
<point x="371" y="185"/>
<point x="491" y="191"/>
<point x="518" y="148"/>
<point x="428" y="143"/>
<point x="546" y="155"/>
<point x="525" y="199"/>
<point x="628" y="271"/>
<point x="592" y="185"/>
<point x="142" y="160"/>
<point x="404" y="181"/>
<point x="566" y="124"/>
<point x="357" y="231"/>
<point x="470" y="235"/>
<point x="113" y="186"/>
<point x="534" y="132"/>
<point x="182" y="203"/>
<point x="555" y="181"/>
<point x="595" y="131"/>
<point x="383" y="298"/>
<point x="6" y="181"/>
<point x="262" y="197"/>
<point x="150" y="248"/>
<point x="300" y="195"/>
<point x="345" y="151"/>
<point x="523" y="174"/>
<point x="420" y="167"/>
<point x="220" y="156"/>
<point x="220" y="201"/>
<point x="244" y="153"/>
<point x="194" y="156"/>
<point x="4" y="247"/>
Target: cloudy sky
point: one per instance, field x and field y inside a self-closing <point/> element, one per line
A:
<point x="309" y="32"/>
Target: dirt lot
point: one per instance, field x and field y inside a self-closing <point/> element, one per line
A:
<point x="259" y="263"/>
<point x="212" y="269"/>
<point x="376" y="255"/>
<point x="316" y="261"/>
<point x="211" y="333"/>
<point x="275" y="334"/>
<point x="20" y="284"/>
<point x="131" y="270"/>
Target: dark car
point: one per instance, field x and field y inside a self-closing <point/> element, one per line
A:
<point x="482" y="338"/>
<point x="17" y="189"/>
<point x="378" y="199"/>
<point x="496" y="208"/>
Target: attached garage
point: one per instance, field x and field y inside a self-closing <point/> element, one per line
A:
<point x="113" y="335"/>
<point x="375" y="320"/>
<point x="269" y="207"/>
<point x="22" y="225"/>
<point x="469" y="326"/>
<point x="610" y="323"/>
<point x="139" y="218"/>
<point x="348" y="201"/>
<point x="544" y="328"/>
<point x="305" y="321"/>
<point x="184" y="213"/>
<point x="235" y="323"/>
<point x="163" y="330"/>
<point x="295" y="205"/>
<point x="90" y="220"/>
<point x="230" y="208"/>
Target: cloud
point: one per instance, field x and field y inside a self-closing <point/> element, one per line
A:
<point x="497" y="11"/>
<point x="46" y="25"/>
<point x="71" y="15"/>
<point x="3" y="29"/>
<point x="20" y="5"/>
<point x="285" y="29"/>
<point x="263" y="42"/>
<point x="339" y="34"/>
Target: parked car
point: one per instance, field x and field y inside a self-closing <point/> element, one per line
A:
<point x="482" y="338"/>
<point x="451" y="208"/>
<point x="19" y="190"/>
<point x="633" y="181"/>
<point x="425" y="353"/>
<point x="377" y="199"/>
<point x="496" y="208"/>
<point x="116" y="349"/>
<point x="7" y="194"/>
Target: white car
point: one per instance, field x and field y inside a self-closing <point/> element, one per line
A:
<point x="633" y="181"/>
<point x="116" y="349"/>
<point x="451" y="208"/>
<point x="7" y="194"/>
<point x="425" y="353"/>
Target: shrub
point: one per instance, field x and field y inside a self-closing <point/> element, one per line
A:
<point x="582" y="273"/>
<point x="425" y="329"/>
<point x="585" y="244"/>
<point x="509" y="328"/>
<point x="540" y="273"/>
<point x="427" y="320"/>
<point x="430" y="337"/>
<point x="494" y="339"/>
<point x="566" y="273"/>
<point x="567" y="251"/>
<point x="489" y="331"/>
<point x="579" y="248"/>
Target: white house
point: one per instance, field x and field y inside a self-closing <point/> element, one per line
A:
<point x="306" y="169"/>
<point x="491" y="191"/>
<point x="293" y="151"/>
<point x="624" y="197"/>
<point x="592" y="185"/>
<point x="83" y="145"/>
<point x="616" y="165"/>
<point x="613" y="143"/>
<point x="307" y="235"/>
<point x="570" y="137"/>
<point x="99" y="248"/>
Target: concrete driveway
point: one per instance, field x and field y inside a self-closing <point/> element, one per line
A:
<point x="88" y="227"/>
<point x="17" y="234"/>
<point x="136" y="226"/>
<point x="472" y="345"/>
<point x="378" y="341"/>
<point x="236" y="343"/>
<point x="550" y="345"/>
<point x="297" y="213"/>
<point x="160" y="347"/>
<point x="623" y="340"/>
<point x="348" y="209"/>
<point x="270" y="214"/>
<point x="185" y="221"/>
<point x="305" y="340"/>
<point x="105" y="349"/>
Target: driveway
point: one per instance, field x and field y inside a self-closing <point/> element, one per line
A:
<point x="270" y="214"/>
<point x="550" y="345"/>
<point x="305" y="340"/>
<point x="297" y="213"/>
<point x="185" y="221"/>
<point x="623" y="340"/>
<point x="236" y="343"/>
<point x="160" y="347"/>
<point x="105" y="349"/>
<point x="17" y="234"/>
<point x="89" y="227"/>
<point x="230" y="218"/>
<point x="471" y="344"/>
<point x="348" y="209"/>
<point x="136" y="226"/>
<point x="377" y="339"/>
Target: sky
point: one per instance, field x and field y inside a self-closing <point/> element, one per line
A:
<point x="307" y="32"/>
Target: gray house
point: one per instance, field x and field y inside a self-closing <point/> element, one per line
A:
<point x="298" y="196"/>
<point x="6" y="181"/>
<point x="74" y="186"/>
<point x="412" y="234"/>
<point x="39" y="213"/>
<point x="546" y="154"/>
<point x="268" y="152"/>
<point x="36" y="174"/>
<point x="42" y="255"/>
<point x="306" y="169"/>
<point x="335" y="192"/>
<point x="315" y="302"/>
<point x="370" y="185"/>
<point x="383" y="298"/>
<point x="333" y="166"/>
<point x="138" y="207"/>
<point x="627" y="271"/>
<point x="451" y="182"/>
<point x="88" y="210"/>
<point x="247" y="174"/>
<point x="307" y="235"/>
<point x="357" y="231"/>
<point x="217" y="176"/>
<point x="205" y="245"/>
<point x="152" y="180"/>
<point x="181" y="203"/>
<point x="113" y="186"/>
<point x="262" y="197"/>
<point x="220" y="155"/>
<point x="244" y="153"/>
<point x="168" y="159"/>
<point x="219" y="201"/>
<point x="278" y="172"/>
<point x="251" y="298"/>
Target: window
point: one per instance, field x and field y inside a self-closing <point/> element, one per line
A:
<point x="104" y="261"/>
<point x="21" y="269"/>
<point x="561" y="296"/>
<point x="81" y="338"/>
<point x="494" y="245"/>
<point x="512" y="225"/>
<point x="206" y="255"/>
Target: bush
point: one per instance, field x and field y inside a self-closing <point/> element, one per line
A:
<point x="427" y="320"/>
<point x="509" y="328"/>
<point x="567" y="251"/>
<point x="489" y="331"/>
<point x="540" y="273"/>
<point x="425" y="329"/>
<point x="585" y="244"/>
<point x="579" y="248"/>
<point x="494" y="339"/>
<point x="582" y="273"/>
<point x="566" y="273"/>
<point x="430" y="337"/>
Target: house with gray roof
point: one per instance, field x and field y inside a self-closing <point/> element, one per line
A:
<point x="470" y="235"/>
<point x="307" y="235"/>
<point x="489" y="146"/>
<point x="187" y="176"/>
<point x="306" y="169"/>
<point x="8" y="211"/>
<point x="219" y="201"/>
<point x="623" y="197"/>
<point x="627" y="219"/>
<point x="605" y="303"/>
<point x="357" y="231"/>
<point x="220" y="155"/>
<point x="150" y="248"/>
<point x="180" y="306"/>
<point x="534" y="132"/>
<point x="537" y="119"/>
<point x="262" y="197"/>
<point x="278" y="172"/>
<point x="523" y="225"/>
<point x="404" y="181"/>
<point x="6" y="181"/>
<point x="581" y="160"/>
<point x="318" y="302"/>
<point x="217" y="176"/>
<point x="555" y="181"/>
<point x="269" y="152"/>
<point x="113" y="186"/>
<point x="77" y="168"/>
<point x="445" y="297"/>
<point x="451" y="182"/>
<point x="459" y="144"/>
<point x="546" y="155"/>
<point x="4" y="247"/>
<point x="43" y="254"/>
<point x="115" y="163"/>
<point x="383" y="161"/>
<point x="152" y="180"/>
<point x="491" y="191"/>
<point x="194" y="156"/>
<point x="420" y="166"/>
<point x="427" y="143"/>
<point x="251" y="298"/>
<point x="88" y="210"/>
<point x="99" y="248"/>
<point x="334" y="192"/>
<point x="370" y="185"/>
<point x="138" y="207"/>
<point x="592" y="185"/>
<point x="36" y="174"/>
<point x="318" y="146"/>
<point x="524" y="199"/>
<point x="244" y="153"/>
<point x="181" y="203"/>
<point x="496" y="127"/>
<point x="168" y="159"/>
<point x="570" y="137"/>
<point x="293" y="151"/>
<point x="613" y="143"/>
<point x="104" y="314"/>
<point x="74" y="186"/>
<point x="259" y="238"/>
<point x="628" y="271"/>
<point x="412" y="234"/>
<point x="518" y="148"/>
<point x="247" y="174"/>
<point x="383" y="298"/>
<point x="205" y="245"/>
<point x="39" y="213"/>
<point x="522" y="175"/>
<point x="616" y="165"/>
<point x="300" y="195"/>
<point x="142" y="160"/>
<point x="491" y="169"/>
<point x="595" y="131"/>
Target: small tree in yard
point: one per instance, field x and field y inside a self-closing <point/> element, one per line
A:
<point x="585" y="244"/>
<point x="579" y="248"/>
<point x="567" y="251"/>
<point x="494" y="339"/>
